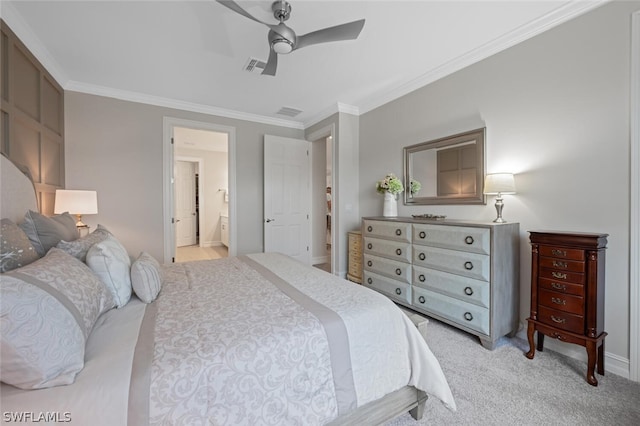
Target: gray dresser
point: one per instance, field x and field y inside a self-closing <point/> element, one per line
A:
<point x="462" y="273"/>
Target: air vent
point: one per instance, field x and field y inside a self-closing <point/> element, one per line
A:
<point x="289" y="112"/>
<point x="255" y="65"/>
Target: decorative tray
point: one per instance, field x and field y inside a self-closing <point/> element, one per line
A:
<point x="428" y="216"/>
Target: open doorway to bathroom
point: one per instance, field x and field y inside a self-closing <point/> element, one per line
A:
<point x="201" y="194"/>
<point x="322" y="202"/>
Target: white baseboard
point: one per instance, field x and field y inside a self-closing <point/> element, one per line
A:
<point x="614" y="364"/>
<point x="211" y="244"/>
<point x="320" y="259"/>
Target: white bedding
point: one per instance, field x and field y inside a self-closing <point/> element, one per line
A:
<point x="229" y="340"/>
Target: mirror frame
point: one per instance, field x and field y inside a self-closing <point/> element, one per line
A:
<point x="478" y="136"/>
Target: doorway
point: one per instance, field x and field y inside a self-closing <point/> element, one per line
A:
<point x="322" y="202"/>
<point x="199" y="186"/>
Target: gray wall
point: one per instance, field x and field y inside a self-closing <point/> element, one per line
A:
<point x="115" y="147"/>
<point x="556" y="109"/>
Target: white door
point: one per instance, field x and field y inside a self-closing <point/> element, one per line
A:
<point x="287" y="198"/>
<point x="185" y="193"/>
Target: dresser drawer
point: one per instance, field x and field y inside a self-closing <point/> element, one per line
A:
<point x="475" y="240"/>
<point x="397" y="270"/>
<point x="355" y="241"/>
<point x="561" y="287"/>
<point x="396" y="250"/>
<point x="561" y="276"/>
<point x="467" y="264"/>
<point x="562" y="302"/>
<point x="561" y="253"/>
<point x="391" y="230"/>
<point x="462" y="313"/>
<point x="463" y="288"/>
<point x="394" y="289"/>
<point x="562" y="265"/>
<point x="562" y="320"/>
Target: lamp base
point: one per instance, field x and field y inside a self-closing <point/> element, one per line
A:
<point x="499" y="206"/>
<point x="79" y="223"/>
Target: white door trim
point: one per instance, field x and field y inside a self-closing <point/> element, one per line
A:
<point x="634" y="232"/>
<point x="325" y="132"/>
<point x="168" y="123"/>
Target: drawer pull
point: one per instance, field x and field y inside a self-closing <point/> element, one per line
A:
<point x="398" y="232"/>
<point x="558" y="320"/>
<point x="369" y="246"/>
<point x="422" y="278"/>
<point x="422" y="256"/>
<point x="558" y="286"/>
<point x="558" y="301"/>
<point x="468" y="316"/>
<point x="369" y="263"/>
<point x="421" y="299"/>
<point x="370" y="228"/>
<point x="468" y="266"/>
<point x="557" y="252"/>
<point x="558" y="264"/>
<point x="398" y="291"/>
<point x="399" y="252"/>
<point x="398" y="271"/>
<point x="468" y="291"/>
<point x="468" y="239"/>
<point x="559" y="336"/>
<point x="559" y="275"/>
<point x="422" y="235"/>
<point x="370" y="280"/>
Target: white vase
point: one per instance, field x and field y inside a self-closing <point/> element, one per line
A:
<point x="390" y="208"/>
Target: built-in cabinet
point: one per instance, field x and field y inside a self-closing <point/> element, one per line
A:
<point x="462" y="273"/>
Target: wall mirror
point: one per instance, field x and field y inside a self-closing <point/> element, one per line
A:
<point x="450" y="170"/>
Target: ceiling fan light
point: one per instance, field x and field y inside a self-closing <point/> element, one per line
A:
<point x="281" y="46"/>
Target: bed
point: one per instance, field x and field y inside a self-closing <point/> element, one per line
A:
<point x="252" y="339"/>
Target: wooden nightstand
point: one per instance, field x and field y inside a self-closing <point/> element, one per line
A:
<point x="84" y="231"/>
<point x="355" y="257"/>
<point x="567" y="293"/>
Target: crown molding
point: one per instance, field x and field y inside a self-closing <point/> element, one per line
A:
<point x="552" y="19"/>
<point x="27" y="36"/>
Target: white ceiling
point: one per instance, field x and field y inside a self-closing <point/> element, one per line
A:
<point x="191" y="54"/>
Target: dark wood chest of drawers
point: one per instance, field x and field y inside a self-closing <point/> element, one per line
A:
<point x="567" y="293"/>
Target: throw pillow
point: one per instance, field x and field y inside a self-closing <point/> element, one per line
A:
<point x="80" y="247"/>
<point x="109" y="260"/>
<point x="146" y="277"/>
<point x="15" y="248"/>
<point x="46" y="232"/>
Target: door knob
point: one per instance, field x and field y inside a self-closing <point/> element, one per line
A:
<point x="270" y="220"/>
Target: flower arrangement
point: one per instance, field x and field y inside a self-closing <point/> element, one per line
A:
<point x="390" y="184"/>
<point x="415" y="186"/>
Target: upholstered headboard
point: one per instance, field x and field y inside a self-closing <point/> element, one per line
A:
<point x="18" y="192"/>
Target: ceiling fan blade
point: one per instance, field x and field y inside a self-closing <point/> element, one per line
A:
<point x="272" y="63"/>
<point x="348" y="31"/>
<point x="236" y="8"/>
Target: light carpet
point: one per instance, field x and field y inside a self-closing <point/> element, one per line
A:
<point x="503" y="387"/>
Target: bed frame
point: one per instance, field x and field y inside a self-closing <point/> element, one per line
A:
<point x="18" y="195"/>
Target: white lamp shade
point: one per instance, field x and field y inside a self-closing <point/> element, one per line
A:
<point x="499" y="183"/>
<point x="76" y="202"/>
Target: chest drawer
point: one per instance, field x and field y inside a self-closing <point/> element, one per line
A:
<point x="561" y="276"/>
<point x="559" y="319"/>
<point x="561" y="287"/>
<point x="463" y="288"/>
<point x="467" y="264"/>
<point x="562" y="302"/>
<point x="475" y="240"/>
<point x="398" y="231"/>
<point x="397" y="250"/>
<point x="561" y="265"/>
<point x="394" y="289"/>
<point x="561" y="253"/>
<point x="462" y="313"/>
<point x="397" y="270"/>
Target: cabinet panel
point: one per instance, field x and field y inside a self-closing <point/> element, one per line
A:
<point x="397" y="270"/>
<point x="397" y="250"/>
<point x="470" y="265"/>
<point x="476" y="240"/>
<point x="391" y="230"/>
<point x="392" y="288"/>
<point x="562" y="302"/>
<point x="463" y="288"/>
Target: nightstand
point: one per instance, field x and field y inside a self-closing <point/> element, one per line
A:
<point x="355" y="257"/>
<point x="84" y="231"/>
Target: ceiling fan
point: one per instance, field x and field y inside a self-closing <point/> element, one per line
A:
<point x="283" y="40"/>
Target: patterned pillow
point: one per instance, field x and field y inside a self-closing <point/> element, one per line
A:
<point x="146" y="277"/>
<point x="110" y="261"/>
<point x="47" y="310"/>
<point x="80" y="247"/>
<point x="15" y="248"/>
<point x="46" y="232"/>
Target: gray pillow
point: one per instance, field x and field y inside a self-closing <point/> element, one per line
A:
<point x="15" y="248"/>
<point x="46" y="232"/>
<point x="146" y="277"/>
<point x="80" y="247"/>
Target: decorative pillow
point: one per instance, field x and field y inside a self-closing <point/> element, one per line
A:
<point x="46" y="232"/>
<point x="110" y="261"/>
<point x="47" y="310"/>
<point x="80" y="247"/>
<point x="146" y="277"/>
<point x="15" y="248"/>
